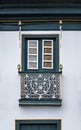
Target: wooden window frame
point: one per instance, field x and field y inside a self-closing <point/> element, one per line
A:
<point x="57" y="122"/>
<point x="47" y="54"/>
<point x="32" y="54"/>
<point x="55" y="38"/>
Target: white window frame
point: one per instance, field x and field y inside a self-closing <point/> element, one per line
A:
<point x="28" y="61"/>
<point x="47" y="54"/>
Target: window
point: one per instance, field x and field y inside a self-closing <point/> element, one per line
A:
<point x="40" y="76"/>
<point x="40" y="53"/>
<point x="38" y="124"/>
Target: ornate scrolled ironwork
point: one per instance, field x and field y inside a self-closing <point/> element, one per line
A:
<point x="41" y="86"/>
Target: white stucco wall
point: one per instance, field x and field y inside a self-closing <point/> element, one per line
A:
<point x="69" y="112"/>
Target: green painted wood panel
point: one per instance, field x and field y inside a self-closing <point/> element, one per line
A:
<point x="35" y="127"/>
<point x="37" y="1"/>
<point x="48" y="127"/>
<point x="43" y="26"/>
<point x="25" y="127"/>
<point x="38" y="127"/>
<point x="38" y="124"/>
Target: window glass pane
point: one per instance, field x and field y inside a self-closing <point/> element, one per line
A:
<point x="32" y="50"/>
<point x="47" y="64"/>
<point x="47" y="43"/>
<point x="32" y="65"/>
<point x="32" y="43"/>
<point x="47" y="50"/>
<point x="32" y="58"/>
<point x="47" y="57"/>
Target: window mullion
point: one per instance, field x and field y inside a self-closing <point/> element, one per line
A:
<point x="40" y="55"/>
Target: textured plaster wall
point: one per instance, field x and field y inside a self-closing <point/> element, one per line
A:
<point x="69" y="112"/>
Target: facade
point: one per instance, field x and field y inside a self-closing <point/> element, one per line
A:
<point x="40" y="80"/>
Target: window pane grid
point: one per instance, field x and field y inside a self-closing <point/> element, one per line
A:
<point x="47" y="54"/>
<point x="32" y="54"/>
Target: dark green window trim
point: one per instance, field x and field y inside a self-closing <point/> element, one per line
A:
<point x="55" y="38"/>
<point x="41" y="102"/>
<point x="10" y="16"/>
<point x="42" y="26"/>
<point x="56" y="122"/>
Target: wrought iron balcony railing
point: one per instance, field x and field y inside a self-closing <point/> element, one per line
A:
<point x="41" y="86"/>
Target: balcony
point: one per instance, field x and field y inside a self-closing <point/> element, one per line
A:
<point x="40" y="89"/>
